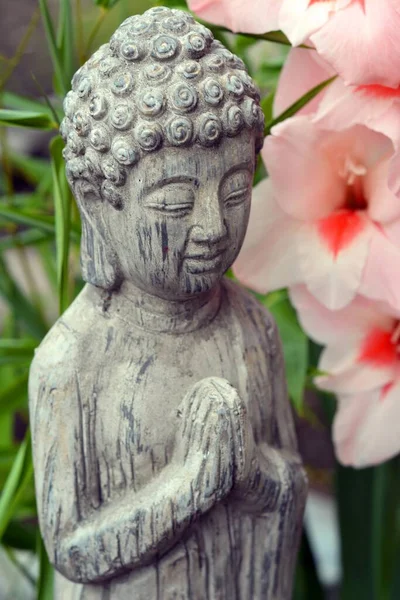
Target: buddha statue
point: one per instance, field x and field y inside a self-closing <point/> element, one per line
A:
<point x="164" y="448"/>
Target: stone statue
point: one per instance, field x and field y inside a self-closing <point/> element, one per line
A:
<point x="164" y="448"/>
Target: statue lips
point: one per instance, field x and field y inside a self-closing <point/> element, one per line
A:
<point x="204" y="262"/>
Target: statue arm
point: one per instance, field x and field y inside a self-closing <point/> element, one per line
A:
<point x="276" y="471"/>
<point x="129" y="533"/>
<point x="91" y="542"/>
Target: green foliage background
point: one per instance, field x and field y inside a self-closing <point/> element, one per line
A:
<point x="44" y="218"/>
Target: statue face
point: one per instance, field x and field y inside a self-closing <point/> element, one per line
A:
<point x="185" y="216"/>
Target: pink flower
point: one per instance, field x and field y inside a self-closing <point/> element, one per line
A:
<point x="362" y="364"/>
<point x="247" y="16"/>
<point x="359" y="38"/>
<point x="326" y="217"/>
<point x="339" y="105"/>
<point x="332" y="207"/>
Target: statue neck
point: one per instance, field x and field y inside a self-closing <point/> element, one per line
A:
<point x="169" y="316"/>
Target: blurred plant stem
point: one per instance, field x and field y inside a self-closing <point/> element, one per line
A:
<point x="21" y="568"/>
<point x="14" y="61"/>
<point x="79" y="31"/>
<point x="98" y="23"/>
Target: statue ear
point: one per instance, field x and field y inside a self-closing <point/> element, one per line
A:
<point x="99" y="261"/>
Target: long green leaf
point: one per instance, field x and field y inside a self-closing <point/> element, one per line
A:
<point x="43" y="222"/>
<point x="266" y="105"/>
<point x="16" y="102"/>
<point x="295" y="345"/>
<point x="14" y="395"/>
<point x="61" y="77"/>
<point x="65" y="39"/>
<point x="391" y="534"/>
<point x="35" y="170"/>
<point x="62" y="204"/>
<point x="29" y="219"/>
<point x="22" y="239"/>
<point x="354" y="492"/>
<point x="17" y="345"/>
<point x="46" y="573"/>
<point x="307" y="585"/>
<point x="20" y="537"/>
<point x="17" y="482"/>
<point x="278" y="37"/>
<point x="298" y="105"/>
<point x="22" y="308"/>
<point x="25" y="118"/>
<point x="106" y="4"/>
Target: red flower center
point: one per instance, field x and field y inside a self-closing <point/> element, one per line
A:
<point x="381" y="348"/>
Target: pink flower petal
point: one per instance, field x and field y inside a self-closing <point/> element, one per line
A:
<point x="303" y="70"/>
<point x="350" y="324"/>
<point x="381" y="277"/>
<point x="383" y="204"/>
<point x="342" y="106"/>
<point x="361" y="42"/>
<point x="347" y="375"/>
<point x="300" y="19"/>
<point x="332" y="256"/>
<point x="367" y="427"/>
<point x="267" y="260"/>
<point x="247" y="16"/>
<point x="305" y="179"/>
<point x="394" y="171"/>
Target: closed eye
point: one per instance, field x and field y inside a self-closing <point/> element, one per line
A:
<point x="176" y="209"/>
<point x="236" y="197"/>
<point x="173" y="199"/>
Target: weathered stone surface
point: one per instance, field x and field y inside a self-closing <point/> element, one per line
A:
<point x="165" y="455"/>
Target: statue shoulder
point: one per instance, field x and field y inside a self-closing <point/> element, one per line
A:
<point x="63" y="351"/>
<point x="253" y="314"/>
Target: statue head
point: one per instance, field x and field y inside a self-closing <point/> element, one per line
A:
<point x="162" y="129"/>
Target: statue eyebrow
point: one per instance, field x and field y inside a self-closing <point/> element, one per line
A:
<point x="181" y="178"/>
<point x="244" y="166"/>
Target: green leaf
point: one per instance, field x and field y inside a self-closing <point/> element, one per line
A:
<point x="16" y="102"/>
<point x="62" y="204"/>
<point x="35" y="170"/>
<point x="278" y="37"/>
<point x="355" y="519"/>
<point x="107" y="4"/>
<point x="25" y="118"/>
<point x="295" y="344"/>
<point x="272" y="36"/>
<point x="391" y="533"/>
<point x="16" y="351"/>
<point x="22" y="239"/>
<point x="22" y="308"/>
<point x="65" y="39"/>
<point x="369" y="529"/>
<point x="260" y="172"/>
<point x="46" y="573"/>
<point x="307" y="585"/>
<point x="19" y="478"/>
<point x="20" y="537"/>
<point x="298" y="105"/>
<point x="267" y="105"/>
<point x="43" y="222"/>
<point x="56" y="58"/>
<point x="14" y="395"/>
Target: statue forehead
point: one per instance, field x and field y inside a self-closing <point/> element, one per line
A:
<point x="199" y="163"/>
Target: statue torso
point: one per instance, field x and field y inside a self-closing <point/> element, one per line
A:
<point x="127" y="404"/>
<point x="138" y="379"/>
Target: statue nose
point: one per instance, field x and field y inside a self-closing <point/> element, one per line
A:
<point x="210" y="226"/>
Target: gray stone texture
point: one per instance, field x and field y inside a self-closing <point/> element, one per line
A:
<point x="165" y="457"/>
